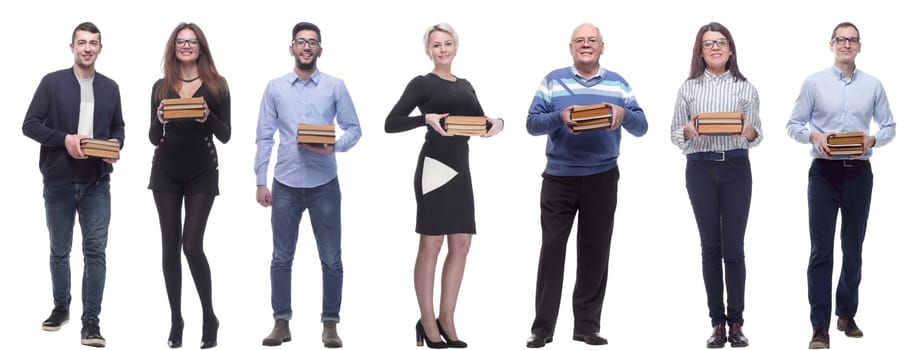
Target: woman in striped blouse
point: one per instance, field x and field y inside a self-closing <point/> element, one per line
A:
<point x="717" y="172"/>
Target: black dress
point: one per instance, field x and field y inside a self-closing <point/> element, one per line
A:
<point x="442" y="182"/>
<point x="186" y="159"/>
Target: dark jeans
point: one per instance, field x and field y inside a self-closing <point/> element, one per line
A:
<point x="721" y="192"/>
<point x="594" y="197"/>
<point x="92" y="201"/>
<point x="834" y="185"/>
<point x="324" y="204"/>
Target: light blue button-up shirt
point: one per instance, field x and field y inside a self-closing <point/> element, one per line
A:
<point x="288" y="101"/>
<point x="831" y="103"/>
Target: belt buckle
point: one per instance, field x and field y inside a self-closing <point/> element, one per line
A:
<point x="848" y="163"/>
<point x="723" y="156"/>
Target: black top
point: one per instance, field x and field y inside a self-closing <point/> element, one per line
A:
<point x="217" y="124"/>
<point x="432" y="94"/>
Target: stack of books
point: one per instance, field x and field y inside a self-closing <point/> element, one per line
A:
<point x="466" y="125"/>
<point x="720" y="123"/>
<point x="100" y="148"/>
<point x="322" y="134"/>
<point x="183" y="108"/>
<point x="846" y="143"/>
<point x="591" y="117"/>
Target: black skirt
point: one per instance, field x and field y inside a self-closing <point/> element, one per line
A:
<point x="443" y="187"/>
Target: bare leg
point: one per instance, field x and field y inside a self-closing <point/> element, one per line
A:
<point x="425" y="268"/>
<point x="453" y="270"/>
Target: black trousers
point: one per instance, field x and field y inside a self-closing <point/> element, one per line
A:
<point x="592" y="199"/>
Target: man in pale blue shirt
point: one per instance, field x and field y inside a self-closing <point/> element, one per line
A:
<point x="305" y="177"/>
<point x="839" y="99"/>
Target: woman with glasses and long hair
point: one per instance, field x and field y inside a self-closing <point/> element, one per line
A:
<point x="717" y="173"/>
<point x="442" y="182"/>
<point x="185" y="168"/>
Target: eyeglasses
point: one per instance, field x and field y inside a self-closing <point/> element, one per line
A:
<point x="191" y="42"/>
<point x="840" y="40"/>
<point x="300" y="42"/>
<point x="708" y="44"/>
<point x="593" y="41"/>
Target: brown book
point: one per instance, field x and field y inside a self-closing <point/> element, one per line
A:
<point x="720" y="115"/>
<point x="846" y="138"/>
<point x="719" y="129"/>
<point x="465" y="127"/>
<point x="183" y="114"/>
<point x="100" y="148"/>
<point x="184" y="101"/>
<point x="720" y="121"/>
<point x="468" y="120"/>
<point x="848" y="150"/>
<point x="463" y="132"/>
<point x="321" y="127"/>
<point x="182" y="106"/>
<point x="316" y="132"/>
<point x="587" y="112"/>
<point x="583" y="126"/>
<point x="325" y="140"/>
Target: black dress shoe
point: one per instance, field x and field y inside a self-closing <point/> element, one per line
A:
<point x="450" y="342"/>
<point x="718" y="338"/>
<point x="421" y="337"/>
<point x="847" y="325"/>
<point x="175" y="334"/>
<point x="591" y="338"/>
<point x="736" y="338"/>
<point x="537" y="341"/>
<point x="820" y="339"/>
<point x="209" y="333"/>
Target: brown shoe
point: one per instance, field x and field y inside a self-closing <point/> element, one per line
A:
<point x="820" y="339"/>
<point x="279" y="335"/>
<point x="718" y="337"/>
<point x="330" y="334"/>
<point x="847" y="325"/>
<point x="736" y="338"/>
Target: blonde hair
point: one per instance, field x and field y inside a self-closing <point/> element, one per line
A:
<point x="440" y="27"/>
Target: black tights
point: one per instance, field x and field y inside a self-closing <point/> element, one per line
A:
<point x="191" y="240"/>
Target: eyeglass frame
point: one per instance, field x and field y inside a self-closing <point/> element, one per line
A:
<point x="593" y="41"/>
<point x="311" y="43"/>
<point x="709" y="44"/>
<point x="841" y="40"/>
<point x="190" y="42"/>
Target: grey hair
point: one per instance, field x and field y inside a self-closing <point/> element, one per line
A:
<point x="440" y="27"/>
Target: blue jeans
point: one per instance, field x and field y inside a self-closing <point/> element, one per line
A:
<point x="324" y="204"/>
<point x="721" y="193"/>
<point x="834" y="185"/>
<point x="92" y="201"/>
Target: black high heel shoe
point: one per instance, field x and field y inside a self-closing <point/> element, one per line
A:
<point x="421" y="337"/>
<point x="449" y="342"/>
<point x="175" y="334"/>
<point x="209" y="335"/>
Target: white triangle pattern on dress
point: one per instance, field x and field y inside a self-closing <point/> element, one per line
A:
<point x="435" y="174"/>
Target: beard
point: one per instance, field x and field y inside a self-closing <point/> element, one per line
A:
<point x="306" y="66"/>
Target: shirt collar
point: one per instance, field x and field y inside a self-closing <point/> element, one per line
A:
<point x="293" y="78"/>
<point x="710" y="76"/>
<point x="599" y="75"/>
<point x="841" y="75"/>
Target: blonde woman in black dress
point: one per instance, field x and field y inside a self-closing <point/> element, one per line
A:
<point x="442" y="183"/>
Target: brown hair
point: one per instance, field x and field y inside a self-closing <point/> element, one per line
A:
<point x="698" y="64"/>
<point x="207" y="71"/>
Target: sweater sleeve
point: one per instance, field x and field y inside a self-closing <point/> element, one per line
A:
<point x="413" y="96"/>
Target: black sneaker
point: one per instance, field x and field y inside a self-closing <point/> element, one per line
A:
<point x="90" y="335"/>
<point x="59" y="317"/>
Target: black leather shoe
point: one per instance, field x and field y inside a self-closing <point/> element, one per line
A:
<point x="591" y="338"/>
<point x="421" y="337"/>
<point x="847" y="325"/>
<point x="736" y="337"/>
<point x="450" y="342"/>
<point x="209" y="332"/>
<point x="90" y="334"/>
<point x="537" y="341"/>
<point x="820" y="339"/>
<point x="59" y="317"/>
<point x="175" y="334"/>
<point x="718" y="338"/>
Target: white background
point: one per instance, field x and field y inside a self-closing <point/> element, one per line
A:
<point x="655" y="296"/>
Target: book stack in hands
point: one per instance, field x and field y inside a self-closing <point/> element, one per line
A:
<point x="322" y="134"/>
<point x="721" y="123"/>
<point x="183" y="108"/>
<point x="591" y="117"/>
<point x="846" y="143"/>
<point x="466" y="125"/>
<point x="100" y="148"/>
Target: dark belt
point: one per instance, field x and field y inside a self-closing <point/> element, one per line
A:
<point x="845" y="163"/>
<point x="718" y="156"/>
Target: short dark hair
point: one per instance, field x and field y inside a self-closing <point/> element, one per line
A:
<point x="86" y="27"/>
<point x="306" y="26"/>
<point x="845" y="24"/>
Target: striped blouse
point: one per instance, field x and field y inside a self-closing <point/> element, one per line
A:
<point x="710" y="93"/>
